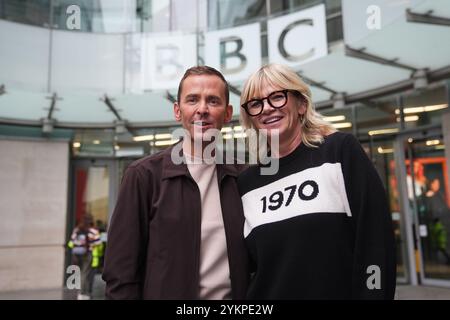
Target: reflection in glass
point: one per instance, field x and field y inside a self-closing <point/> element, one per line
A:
<point x="92" y="193"/>
<point x="226" y="13"/>
<point x="34" y="12"/>
<point x="383" y="158"/>
<point x="429" y="194"/>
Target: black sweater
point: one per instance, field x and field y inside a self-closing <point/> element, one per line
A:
<point x="320" y="228"/>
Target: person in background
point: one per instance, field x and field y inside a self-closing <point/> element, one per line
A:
<point x="439" y="214"/>
<point x="100" y="253"/>
<point x="84" y="244"/>
<point x="320" y="227"/>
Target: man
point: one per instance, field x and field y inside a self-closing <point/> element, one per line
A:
<point x="176" y="231"/>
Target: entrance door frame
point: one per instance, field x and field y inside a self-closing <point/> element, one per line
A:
<point x="112" y="165"/>
<point x="408" y="216"/>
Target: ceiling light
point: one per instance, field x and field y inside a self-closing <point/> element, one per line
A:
<point x="385" y="150"/>
<point x="432" y="142"/>
<point x="163" y="136"/>
<point x="144" y="138"/>
<point x="96" y="142"/>
<point x="342" y="125"/>
<point x="422" y="109"/>
<point x="382" y="131"/>
<point x="165" y="143"/>
<point x="76" y="144"/>
<point x="435" y="107"/>
<point x="334" y="118"/>
<point x="409" y="118"/>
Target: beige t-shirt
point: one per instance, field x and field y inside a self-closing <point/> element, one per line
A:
<point x="214" y="269"/>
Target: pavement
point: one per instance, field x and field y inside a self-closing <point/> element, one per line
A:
<point x="403" y="292"/>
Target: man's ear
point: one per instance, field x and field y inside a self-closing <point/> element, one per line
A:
<point x="228" y="113"/>
<point x="177" y="111"/>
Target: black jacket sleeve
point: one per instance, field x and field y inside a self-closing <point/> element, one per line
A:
<point x="127" y="238"/>
<point x="374" y="264"/>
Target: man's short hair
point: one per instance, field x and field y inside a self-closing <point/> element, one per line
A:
<point x="204" y="70"/>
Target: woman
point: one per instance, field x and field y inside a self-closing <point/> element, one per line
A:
<point x="320" y="227"/>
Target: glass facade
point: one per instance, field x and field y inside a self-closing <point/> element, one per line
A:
<point x="115" y="16"/>
<point x="401" y="132"/>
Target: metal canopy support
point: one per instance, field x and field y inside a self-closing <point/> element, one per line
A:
<point x="120" y="125"/>
<point x="52" y="108"/>
<point x="235" y="90"/>
<point x="48" y="122"/>
<point x="111" y="107"/>
<point x="362" y="54"/>
<point x="426" y="18"/>
<point x="320" y="85"/>
<point x="170" y="97"/>
<point x="338" y="98"/>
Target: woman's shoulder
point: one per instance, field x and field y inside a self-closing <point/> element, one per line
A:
<point x="339" y="137"/>
<point x="249" y="172"/>
<point x="336" y="145"/>
<point x="248" y="178"/>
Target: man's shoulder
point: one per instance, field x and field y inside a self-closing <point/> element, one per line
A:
<point x="149" y="162"/>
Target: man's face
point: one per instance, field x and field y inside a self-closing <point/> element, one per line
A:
<point x="202" y="105"/>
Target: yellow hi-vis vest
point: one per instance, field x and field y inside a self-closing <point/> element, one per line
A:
<point x="97" y="253"/>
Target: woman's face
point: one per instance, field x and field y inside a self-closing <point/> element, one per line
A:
<point x="285" y="120"/>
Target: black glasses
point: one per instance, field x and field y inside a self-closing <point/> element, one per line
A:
<point x="276" y="99"/>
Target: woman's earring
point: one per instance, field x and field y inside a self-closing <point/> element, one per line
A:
<point x="302" y="118"/>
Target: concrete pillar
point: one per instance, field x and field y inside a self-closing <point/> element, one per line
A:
<point x="33" y="213"/>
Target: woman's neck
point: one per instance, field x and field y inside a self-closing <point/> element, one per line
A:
<point x="286" y="146"/>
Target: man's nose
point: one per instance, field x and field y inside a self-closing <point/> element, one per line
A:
<point x="202" y="107"/>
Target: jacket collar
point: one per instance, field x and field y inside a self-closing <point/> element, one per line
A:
<point x="170" y="169"/>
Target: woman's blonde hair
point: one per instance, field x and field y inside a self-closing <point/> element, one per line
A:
<point x="313" y="126"/>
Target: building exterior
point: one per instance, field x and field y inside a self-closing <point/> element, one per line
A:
<point x="86" y="87"/>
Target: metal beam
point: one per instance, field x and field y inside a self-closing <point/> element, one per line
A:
<point x="53" y="99"/>
<point x="362" y="54"/>
<point x="426" y="18"/>
<point x="235" y="90"/>
<point x="170" y="97"/>
<point x="111" y="107"/>
<point x="433" y="77"/>
<point x="120" y="121"/>
<point x="320" y="85"/>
